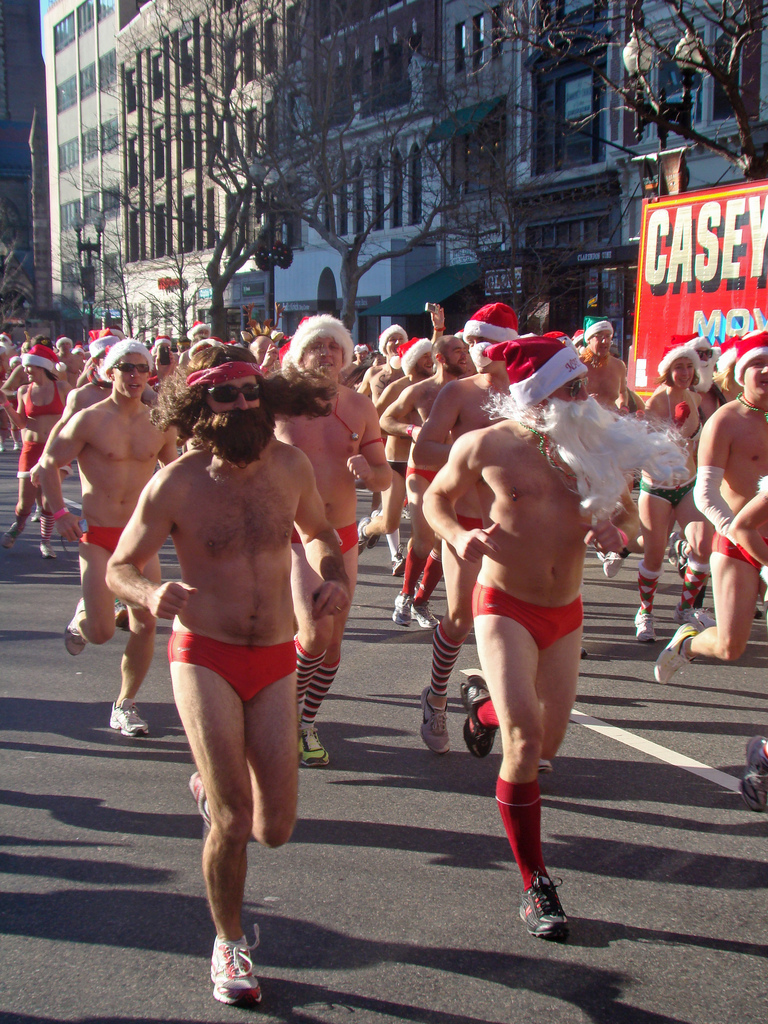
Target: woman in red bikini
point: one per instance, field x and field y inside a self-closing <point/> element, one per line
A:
<point x="40" y="404"/>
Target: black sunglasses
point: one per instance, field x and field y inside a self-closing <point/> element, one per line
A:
<point x="705" y="353"/>
<point x="575" y="386"/>
<point x="225" y="394"/>
<point x="132" y="368"/>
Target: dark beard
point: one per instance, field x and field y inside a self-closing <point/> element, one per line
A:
<point x="238" y="436"/>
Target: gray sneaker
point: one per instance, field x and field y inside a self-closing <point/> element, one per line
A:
<point x="74" y="640"/>
<point x="434" y="728"/>
<point x="363" y="540"/>
<point x="127" y="719"/>
<point x="402" y="613"/>
<point x="46" y="550"/>
<point x="646" y="633"/>
<point x="424" y="617"/>
<point x="754" y="784"/>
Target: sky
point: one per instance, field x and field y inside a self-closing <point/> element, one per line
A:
<point x="43" y="9"/>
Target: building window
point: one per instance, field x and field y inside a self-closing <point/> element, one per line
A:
<point x="159" y="152"/>
<point x="133" y="237"/>
<point x="568" y="122"/>
<point x="397" y="190"/>
<point x="459" y="46"/>
<point x="478" y="42"/>
<point x="721" y="105"/>
<point x="105" y="8"/>
<point x="377" y="69"/>
<point x="210" y="216"/>
<point x="91" y="207"/>
<point x="207" y="49"/>
<point x="66" y="94"/>
<point x="133" y="162"/>
<point x="69" y="155"/>
<point x="90" y="144"/>
<point x="270" y="45"/>
<point x="342" y="211"/>
<point x="378" y="195"/>
<point x="110" y="135"/>
<point x="107" y="70"/>
<point x="414" y="186"/>
<point x="359" y="186"/>
<point x="64" y="33"/>
<point x="187" y="66"/>
<point x="87" y="81"/>
<point x="70" y="214"/>
<point x="188" y="225"/>
<point x="157" y="76"/>
<point x="110" y="201"/>
<point x="160" y="230"/>
<point x="292" y="33"/>
<point x="85" y="17"/>
<point x="187" y="142"/>
<point x="70" y="273"/>
<point x="130" y="91"/>
<point x="497" y="32"/>
<point x="249" y="54"/>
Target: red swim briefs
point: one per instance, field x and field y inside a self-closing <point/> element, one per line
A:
<point x="469" y="522"/>
<point x="546" y="625"/>
<point x="247" y="669"/>
<point x="103" y="537"/>
<point x="426" y="474"/>
<point x="347" y="537"/>
<point x="726" y="547"/>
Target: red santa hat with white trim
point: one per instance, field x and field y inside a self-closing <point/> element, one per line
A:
<point x="537" y="367"/>
<point x="392" y="333"/>
<point x="41" y="355"/>
<point x="702" y="344"/>
<point x="64" y="338"/>
<point x="314" y="327"/>
<point x="494" y="322"/>
<point x="128" y="346"/>
<point x="412" y="351"/>
<point x="198" y="331"/>
<point x="752" y="346"/>
<point x="680" y="347"/>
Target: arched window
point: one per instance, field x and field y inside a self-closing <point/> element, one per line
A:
<point x="397" y="190"/>
<point x="414" y="185"/>
<point x="378" y="195"/>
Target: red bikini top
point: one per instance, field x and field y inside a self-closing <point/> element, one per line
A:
<point x="54" y="408"/>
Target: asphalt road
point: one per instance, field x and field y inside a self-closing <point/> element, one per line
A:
<point x="396" y="899"/>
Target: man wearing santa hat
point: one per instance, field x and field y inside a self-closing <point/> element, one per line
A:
<point x="556" y="467"/>
<point x="606" y="373"/>
<point x="461" y="406"/>
<point x="343" y="448"/>
<point x="117" y="449"/>
<point x="379" y="377"/>
<point x="733" y="456"/>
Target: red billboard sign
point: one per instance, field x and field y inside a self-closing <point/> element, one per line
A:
<point x="701" y="269"/>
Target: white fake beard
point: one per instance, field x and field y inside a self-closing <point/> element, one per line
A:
<point x="601" y="448"/>
<point x="706" y="378"/>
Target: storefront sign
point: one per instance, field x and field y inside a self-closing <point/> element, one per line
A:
<point x="204" y="293"/>
<point x="170" y="284"/>
<point x="254" y="288"/>
<point x="297" y="307"/>
<point x="702" y="269"/>
<point x="499" y="282"/>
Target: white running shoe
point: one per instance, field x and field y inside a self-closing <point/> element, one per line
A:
<point x="545" y="766"/>
<point x="434" y="727"/>
<point x="127" y="719"/>
<point x="646" y="633"/>
<point x="673" y="657"/>
<point x="612" y="563"/>
<point x="424" y="616"/>
<point x="696" y="617"/>
<point x="74" y="640"/>
<point x="232" y="974"/>
<point x="402" y="613"/>
<point x="46" y="550"/>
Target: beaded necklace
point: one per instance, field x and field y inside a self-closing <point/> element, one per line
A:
<point x="545" y="447"/>
<point x="748" y="405"/>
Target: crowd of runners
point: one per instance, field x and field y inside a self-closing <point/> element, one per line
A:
<point x="513" y="458"/>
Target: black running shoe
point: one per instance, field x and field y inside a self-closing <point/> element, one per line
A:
<point x="478" y="737"/>
<point x="541" y="910"/>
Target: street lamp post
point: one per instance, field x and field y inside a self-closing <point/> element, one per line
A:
<point x="270" y="252"/>
<point x="89" y="249"/>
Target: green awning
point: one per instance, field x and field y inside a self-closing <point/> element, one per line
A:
<point x="464" y="121"/>
<point x="433" y="288"/>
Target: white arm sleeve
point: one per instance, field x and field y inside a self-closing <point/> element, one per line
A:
<point x="709" y="500"/>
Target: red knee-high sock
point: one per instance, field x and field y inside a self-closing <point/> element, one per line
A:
<point x="413" y="569"/>
<point x="486" y="715"/>
<point x="520" y="809"/>
<point x="433" y="573"/>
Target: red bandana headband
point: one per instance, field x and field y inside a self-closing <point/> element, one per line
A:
<point x="223" y="373"/>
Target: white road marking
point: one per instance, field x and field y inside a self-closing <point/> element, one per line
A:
<point x="656" y="750"/>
